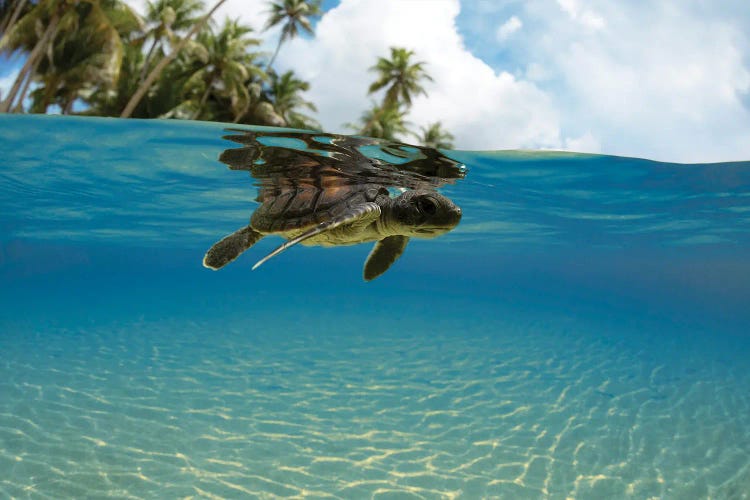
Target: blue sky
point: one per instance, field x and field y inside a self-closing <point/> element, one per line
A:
<point x="667" y="80"/>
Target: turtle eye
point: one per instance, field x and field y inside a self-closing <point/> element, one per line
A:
<point x="426" y="205"/>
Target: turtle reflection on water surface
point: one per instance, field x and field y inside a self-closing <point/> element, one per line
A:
<point x="321" y="189"/>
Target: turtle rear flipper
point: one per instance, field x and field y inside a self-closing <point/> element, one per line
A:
<point x="383" y="255"/>
<point x="230" y="247"/>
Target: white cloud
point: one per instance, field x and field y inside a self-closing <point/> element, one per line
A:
<point x="482" y="108"/>
<point x="581" y="14"/>
<point x="251" y="12"/>
<point x="138" y="5"/>
<point x="585" y="143"/>
<point x="658" y="80"/>
<point x="508" y="28"/>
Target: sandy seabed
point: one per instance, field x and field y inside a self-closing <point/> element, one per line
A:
<point x="338" y="407"/>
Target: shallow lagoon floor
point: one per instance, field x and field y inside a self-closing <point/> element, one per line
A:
<point x="132" y="390"/>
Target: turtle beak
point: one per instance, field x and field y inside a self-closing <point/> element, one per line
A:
<point x="449" y="219"/>
<point x="454" y="215"/>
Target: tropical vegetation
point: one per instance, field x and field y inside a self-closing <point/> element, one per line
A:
<point x="100" y="57"/>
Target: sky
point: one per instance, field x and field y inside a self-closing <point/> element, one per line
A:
<point x="667" y="80"/>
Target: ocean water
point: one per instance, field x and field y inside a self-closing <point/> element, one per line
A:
<point x="584" y="332"/>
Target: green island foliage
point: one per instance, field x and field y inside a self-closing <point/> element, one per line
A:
<point x="101" y="58"/>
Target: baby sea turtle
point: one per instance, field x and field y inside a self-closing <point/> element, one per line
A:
<point x="341" y="215"/>
<point x="326" y="189"/>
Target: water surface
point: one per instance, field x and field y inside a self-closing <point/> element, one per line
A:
<point x="582" y="333"/>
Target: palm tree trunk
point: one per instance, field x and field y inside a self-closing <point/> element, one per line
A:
<point x="9" y="22"/>
<point x="19" y="103"/>
<point x="370" y="124"/>
<point x="68" y="107"/>
<point x="35" y="54"/>
<point x="275" y="53"/>
<point x="239" y="116"/>
<point x="203" y="100"/>
<point x="147" y="61"/>
<point x="130" y="107"/>
<point x="18" y="108"/>
<point x="47" y="96"/>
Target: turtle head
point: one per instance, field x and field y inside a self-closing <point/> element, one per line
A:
<point x="423" y="213"/>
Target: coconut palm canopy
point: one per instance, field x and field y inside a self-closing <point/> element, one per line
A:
<point x="402" y="77"/>
<point x="99" y="57"/>
<point x="295" y="16"/>
<point x="434" y="136"/>
<point x="383" y="122"/>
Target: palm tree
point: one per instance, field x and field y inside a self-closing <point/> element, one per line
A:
<point x="46" y="17"/>
<point x="296" y="15"/>
<point x="226" y="68"/>
<point x="382" y="122"/>
<point x="157" y="70"/>
<point x="10" y="12"/>
<point x="80" y="48"/>
<point x="166" y="18"/>
<point x="400" y="75"/>
<point x="110" y="100"/>
<point x="285" y="94"/>
<point x="433" y="136"/>
<point x="90" y="57"/>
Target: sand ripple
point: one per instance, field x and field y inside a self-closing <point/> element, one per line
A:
<point x="181" y="409"/>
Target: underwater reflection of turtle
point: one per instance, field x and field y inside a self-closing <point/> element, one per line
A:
<point x="331" y="190"/>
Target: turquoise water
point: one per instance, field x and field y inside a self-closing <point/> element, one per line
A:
<point x="582" y="333"/>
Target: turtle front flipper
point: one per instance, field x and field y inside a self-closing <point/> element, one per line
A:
<point x="383" y="255"/>
<point x="230" y="247"/>
<point x="359" y="215"/>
